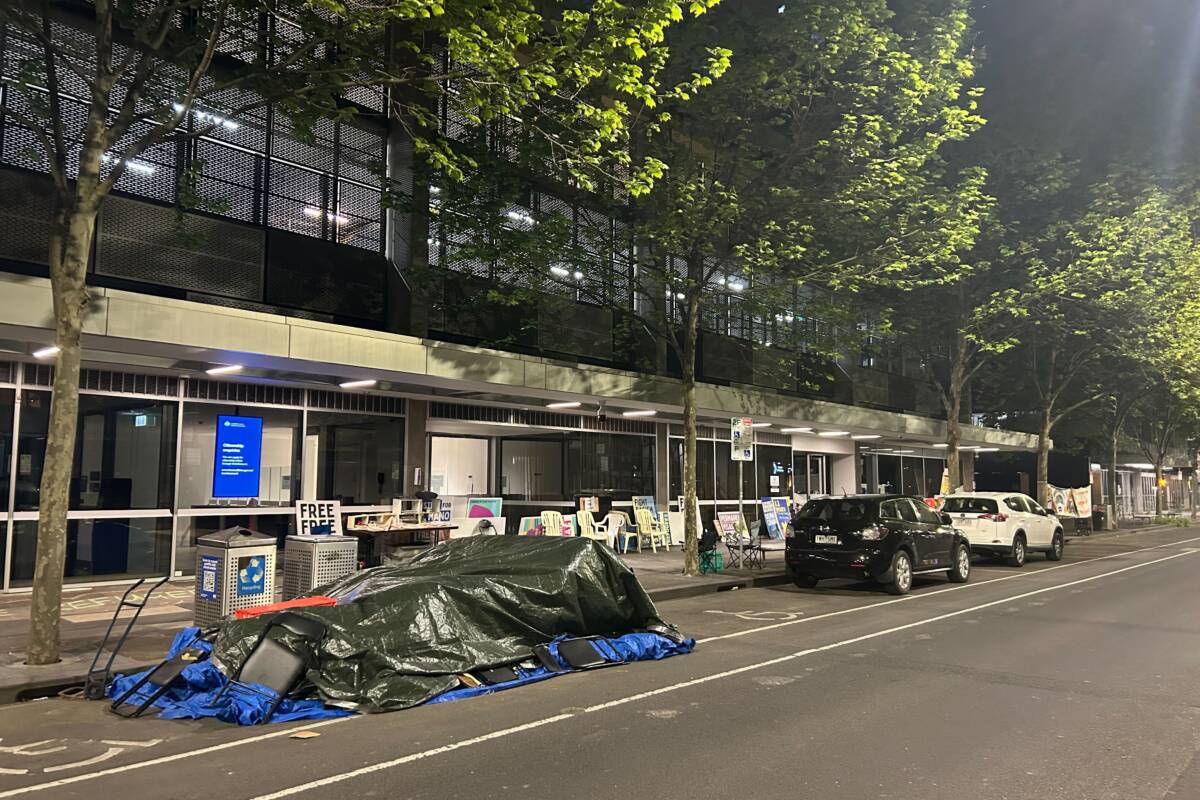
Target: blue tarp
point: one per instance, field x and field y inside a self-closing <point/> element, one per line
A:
<point x="194" y="696"/>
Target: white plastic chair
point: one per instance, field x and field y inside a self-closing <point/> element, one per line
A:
<point x="589" y="528"/>
<point x="649" y="528"/>
<point x="552" y="523"/>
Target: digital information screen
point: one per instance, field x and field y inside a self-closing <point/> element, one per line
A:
<point x="238" y="456"/>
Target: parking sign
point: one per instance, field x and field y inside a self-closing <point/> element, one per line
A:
<point x="740" y="447"/>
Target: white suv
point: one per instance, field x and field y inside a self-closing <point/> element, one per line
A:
<point x="1006" y="524"/>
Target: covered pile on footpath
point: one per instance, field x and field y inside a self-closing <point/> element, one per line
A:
<point x="467" y="617"/>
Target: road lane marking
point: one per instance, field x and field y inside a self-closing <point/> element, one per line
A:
<point x="959" y="587"/>
<point x="167" y="759"/>
<point x="633" y="698"/>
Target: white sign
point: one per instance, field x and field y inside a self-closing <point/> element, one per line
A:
<point x="740" y="447"/>
<point x="318" y="517"/>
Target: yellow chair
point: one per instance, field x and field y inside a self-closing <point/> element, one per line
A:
<point x="552" y="523"/>
<point x="649" y="529"/>
<point x="589" y="528"/>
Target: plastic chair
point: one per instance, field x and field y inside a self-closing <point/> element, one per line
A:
<point x="552" y="523"/>
<point x="649" y="528"/>
<point x="273" y="665"/>
<point x="589" y="528"/>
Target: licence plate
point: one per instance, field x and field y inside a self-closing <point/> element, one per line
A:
<point x="824" y="538"/>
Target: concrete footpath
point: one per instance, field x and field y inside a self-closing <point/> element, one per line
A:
<point x="87" y="611"/>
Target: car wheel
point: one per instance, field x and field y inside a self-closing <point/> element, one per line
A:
<point x="902" y="574"/>
<point x="1055" y="553"/>
<point x="961" y="571"/>
<point x="1016" y="556"/>
<point x="805" y="581"/>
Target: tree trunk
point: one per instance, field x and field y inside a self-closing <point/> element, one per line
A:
<point x="691" y="525"/>
<point x="953" y="438"/>
<point x="1114" y="480"/>
<point x="69" y="249"/>
<point x="1043" y="459"/>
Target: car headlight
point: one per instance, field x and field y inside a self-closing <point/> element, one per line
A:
<point x="873" y="533"/>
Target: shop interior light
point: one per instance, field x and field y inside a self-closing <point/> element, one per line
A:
<point x="858" y="437"/>
<point x="796" y="430"/>
<point x="641" y="412"/>
<point x="905" y="452"/>
<point x="363" y="384"/>
<point x="224" y="370"/>
<point x="566" y="404"/>
<point x="46" y="352"/>
<point x="834" y="433"/>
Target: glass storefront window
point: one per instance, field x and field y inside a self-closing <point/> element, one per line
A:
<point x="31" y="448"/>
<point x="934" y="467"/>
<point x="8" y="399"/>
<point x="531" y="468"/>
<point x="773" y="465"/>
<point x="704" y="469"/>
<point x="279" y="468"/>
<point x="98" y="548"/>
<point x="459" y="465"/>
<point x="124" y="453"/>
<point x="355" y="458"/>
<point x="889" y="474"/>
<point x="913" y="476"/>
<point x="605" y="463"/>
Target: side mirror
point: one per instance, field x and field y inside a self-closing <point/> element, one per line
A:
<point x="946" y="520"/>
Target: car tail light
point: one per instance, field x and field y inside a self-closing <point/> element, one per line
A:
<point x="874" y="533"/>
<point x="995" y="517"/>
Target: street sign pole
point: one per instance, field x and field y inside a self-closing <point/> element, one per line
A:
<point x="741" y="432"/>
<point x="741" y="516"/>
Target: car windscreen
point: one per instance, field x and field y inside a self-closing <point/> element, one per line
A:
<point x="836" y="510"/>
<point x="969" y="505"/>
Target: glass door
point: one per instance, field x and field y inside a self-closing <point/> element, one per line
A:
<point x="818" y="474"/>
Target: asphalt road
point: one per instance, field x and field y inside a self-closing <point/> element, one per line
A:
<point x="1078" y="680"/>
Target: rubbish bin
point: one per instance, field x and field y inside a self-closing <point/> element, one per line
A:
<point x="235" y="568"/>
<point x="309" y="561"/>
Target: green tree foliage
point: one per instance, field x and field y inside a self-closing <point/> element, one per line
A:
<point x="147" y="73"/>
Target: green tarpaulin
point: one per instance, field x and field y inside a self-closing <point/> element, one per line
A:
<point x="403" y="632"/>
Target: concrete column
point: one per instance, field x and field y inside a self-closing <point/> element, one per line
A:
<point x="662" y="464"/>
<point x="416" y="453"/>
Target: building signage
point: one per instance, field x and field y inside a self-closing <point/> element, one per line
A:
<point x="740" y="448"/>
<point x="207" y="582"/>
<point x="318" y="517"/>
<point x="238" y="456"/>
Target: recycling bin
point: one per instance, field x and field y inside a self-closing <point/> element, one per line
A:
<point x="235" y="568"/>
<point x="310" y="561"/>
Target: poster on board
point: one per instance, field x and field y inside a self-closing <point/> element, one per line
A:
<point x="732" y="525"/>
<point x="484" y="507"/>
<point x="647" y="502"/>
<point x="770" y="515"/>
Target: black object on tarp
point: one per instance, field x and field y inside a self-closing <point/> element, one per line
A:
<point x="402" y="633"/>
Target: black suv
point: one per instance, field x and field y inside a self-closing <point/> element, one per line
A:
<point x="887" y="538"/>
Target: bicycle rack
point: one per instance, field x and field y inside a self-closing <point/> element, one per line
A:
<point x="96" y="682"/>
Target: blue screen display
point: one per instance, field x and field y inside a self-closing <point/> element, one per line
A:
<point x="237" y="460"/>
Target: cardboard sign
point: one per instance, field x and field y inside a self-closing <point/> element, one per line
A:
<point x="770" y="513"/>
<point x="731" y="524"/>
<point x="318" y="517"/>
<point x="647" y="502"/>
<point x="484" y="507"/>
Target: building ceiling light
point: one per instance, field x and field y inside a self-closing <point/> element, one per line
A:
<point x="46" y="352"/>
<point x="904" y="452"/>
<point x="578" y="275"/>
<point x="796" y="430"/>
<point x="224" y="370"/>
<point x="834" y="433"/>
<point x="641" y="412"/>
<point x="941" y="446"/>
<point x="987" y="450"/>
<point x="761" y="425"/>
<point x="560" y="272"/>
<point x="858" y="437"/>
<point x="363" y="384"/>
<point x="565" y="404"/>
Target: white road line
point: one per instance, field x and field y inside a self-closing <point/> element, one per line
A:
<point x="910" y="597"/>
<point x="633" y="698"/>
<point x="288" y="731"/>
<point x="165" y="759"/>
